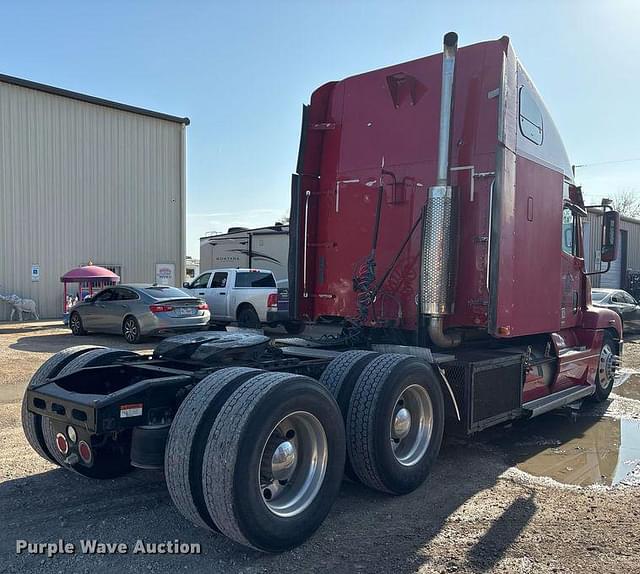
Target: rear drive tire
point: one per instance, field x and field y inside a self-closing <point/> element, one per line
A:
<point x="274" y="461"/>
<point x="75" y="324"/>
<point x="248" y="318"/>
<point x="31" y="422"/>
<point x="111" y="459"/>
<point x="294" y="327"/>
<point x="340" y="377"/>
<point x="395" y="423"/>
<point x="605" y="371"/>
<point x="188" y="439"/>
<point x="131" y="330"/>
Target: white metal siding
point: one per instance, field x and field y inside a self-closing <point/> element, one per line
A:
<point x="81" y="182"/>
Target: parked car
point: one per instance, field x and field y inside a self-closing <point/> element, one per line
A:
<point x="242" y="295"/>
<point x="139" y="310"/>
<point x="621" y="302"/>
<point x="280" y="315"/>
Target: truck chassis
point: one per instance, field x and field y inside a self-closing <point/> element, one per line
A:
<point x="254" y="438"/>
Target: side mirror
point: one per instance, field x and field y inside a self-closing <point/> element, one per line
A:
<point x="186" y="285"/>
<point x="610" y="234"/>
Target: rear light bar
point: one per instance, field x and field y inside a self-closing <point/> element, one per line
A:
<point x="160" y="308"/>
<point x="272" y="300"/>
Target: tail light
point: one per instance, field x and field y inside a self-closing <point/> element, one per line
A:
<point x="160" y="308"/>
<point x="85" y="452"/>
<point x="61" y="443"/>
<point x="203" y="307"/>
<point x="272" y="300"/>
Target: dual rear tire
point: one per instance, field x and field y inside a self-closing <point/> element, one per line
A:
<point x="265" y="454"/>
<point x="393" y="410"/>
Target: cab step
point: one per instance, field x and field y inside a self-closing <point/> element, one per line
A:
<point x="556" y="400"/>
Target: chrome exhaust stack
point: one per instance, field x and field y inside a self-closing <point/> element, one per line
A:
<point x="439" y="220"/>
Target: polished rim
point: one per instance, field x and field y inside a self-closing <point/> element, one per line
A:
<point x="606" y="368"/>
<point x="411" y="425"/>
<point x="293" y="464"/>
<point x="130" y="330"/>
<point x="75" y="323"/>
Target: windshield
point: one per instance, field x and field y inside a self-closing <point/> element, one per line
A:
<point x="165" y="292"/>
<point x="598" y="295"/>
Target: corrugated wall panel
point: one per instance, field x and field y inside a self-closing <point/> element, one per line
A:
<point x="82" y="182"/>
<point x="631" y="226"/>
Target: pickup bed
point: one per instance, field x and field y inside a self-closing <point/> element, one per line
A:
<point x="242" y="295"/>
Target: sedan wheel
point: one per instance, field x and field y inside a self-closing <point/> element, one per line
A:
<point x="75" y="324"/>
<point x="131" y="330"/>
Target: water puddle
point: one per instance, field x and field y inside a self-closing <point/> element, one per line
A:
<point x="583" y="452"/>
<point x="627" y="384"/>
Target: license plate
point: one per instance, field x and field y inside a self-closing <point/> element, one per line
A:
<point x="186" y="311"/>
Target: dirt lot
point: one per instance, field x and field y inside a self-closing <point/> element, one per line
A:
<point x="478" y="512"/>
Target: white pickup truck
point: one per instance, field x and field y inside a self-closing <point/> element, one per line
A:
<point x="242" y="295"/>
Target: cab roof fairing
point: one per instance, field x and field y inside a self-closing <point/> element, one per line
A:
<point x="552" y="151"/>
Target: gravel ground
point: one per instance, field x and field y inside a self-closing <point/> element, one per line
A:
<point x="475" y="513"/>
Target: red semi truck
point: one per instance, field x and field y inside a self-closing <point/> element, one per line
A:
<point x="434" y="213"/>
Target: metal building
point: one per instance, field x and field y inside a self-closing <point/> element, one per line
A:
<point x="85" y="179"/>
<point x="629" y="256"/>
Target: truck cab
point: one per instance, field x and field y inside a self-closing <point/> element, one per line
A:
<point x="235" y="294"/>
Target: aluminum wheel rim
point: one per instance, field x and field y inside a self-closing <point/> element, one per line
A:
<point x="293" y="464"/>
<point x="605" y="367"/>
<point x="75" y="323"/>
<point x="130" y="330"/>
<point x="409" y="442"/>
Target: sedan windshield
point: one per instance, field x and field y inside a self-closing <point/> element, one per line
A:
<point x="598" y="295"/>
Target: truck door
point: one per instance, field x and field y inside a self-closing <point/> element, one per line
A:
<point x="219" y="295"/>
<point x="200" y="287"/>
<point x="571" y="269"/>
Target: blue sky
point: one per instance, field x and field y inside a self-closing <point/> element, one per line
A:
<point x="242" y="70"/>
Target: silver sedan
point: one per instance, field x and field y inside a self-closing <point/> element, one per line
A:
<point x="139" y="310"/>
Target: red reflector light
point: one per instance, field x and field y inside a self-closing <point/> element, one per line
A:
<point x="160" y="308"/>
<point x="61" y="443"/>
<point x="203" y="306"/>
<point x="272" y="300"/>
<point x="84" y="451"/>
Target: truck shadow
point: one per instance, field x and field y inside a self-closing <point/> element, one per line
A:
<point x="56" y="342"/>
<point x="366" y="530"/>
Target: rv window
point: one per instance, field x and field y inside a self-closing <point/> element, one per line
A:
<point x="219" y="280"/>
<point x="530" y="117"/>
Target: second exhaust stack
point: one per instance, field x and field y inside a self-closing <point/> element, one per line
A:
<point x="439" y="229"/>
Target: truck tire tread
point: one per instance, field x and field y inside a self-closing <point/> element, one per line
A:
<point x="359" y="420"/>
<point x="187" y="441"/>
<point x="223" y="452"/>
<point x="31" y="422"/>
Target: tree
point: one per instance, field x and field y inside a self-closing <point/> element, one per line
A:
<point x="627" y="202"/>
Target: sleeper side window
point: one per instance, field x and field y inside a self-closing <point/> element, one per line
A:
<point x="530" y="117"/>
<point x="568" y="232"/>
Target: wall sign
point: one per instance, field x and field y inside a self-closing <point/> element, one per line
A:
<point x="35" y="273"/>
<point x="165" y="274"/>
